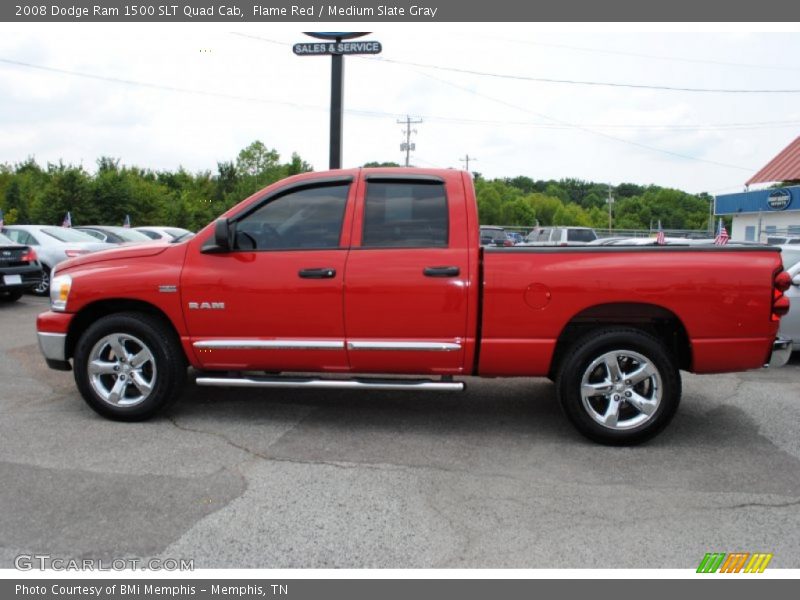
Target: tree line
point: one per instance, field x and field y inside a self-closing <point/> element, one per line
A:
<point x="524" y="201"/>
<point x="31" y="193"/>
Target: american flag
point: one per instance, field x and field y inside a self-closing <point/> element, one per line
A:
<point x="127" y="222"/>
<point x="67" y="222"/>
<point x="722" y="234"/>
<point x="660" y="237"/>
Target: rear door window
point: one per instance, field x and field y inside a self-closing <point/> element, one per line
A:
<point x="402" y="214"/>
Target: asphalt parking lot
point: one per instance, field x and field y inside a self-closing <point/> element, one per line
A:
<point x="494" y="477"/>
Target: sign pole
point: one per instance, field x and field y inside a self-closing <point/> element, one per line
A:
<point x="337" y="50"/>
<point x="337" y="109"/>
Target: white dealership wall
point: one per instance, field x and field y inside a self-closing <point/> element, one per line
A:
<point x="785" y="222"/>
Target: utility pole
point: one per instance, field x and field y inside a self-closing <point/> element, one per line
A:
<point x="610" y="202"/>
<point x="407" y="146"/>
<point x="466" y="160"/>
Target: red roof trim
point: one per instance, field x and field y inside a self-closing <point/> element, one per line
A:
<point x="784" y="167"/>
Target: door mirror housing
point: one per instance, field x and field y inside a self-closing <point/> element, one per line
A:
<point x="224" y="232"/>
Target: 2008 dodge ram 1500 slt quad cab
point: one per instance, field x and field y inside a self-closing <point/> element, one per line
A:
<point x="381" y="271"/>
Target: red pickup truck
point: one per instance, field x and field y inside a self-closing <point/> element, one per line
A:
<point x="381" y="272"/>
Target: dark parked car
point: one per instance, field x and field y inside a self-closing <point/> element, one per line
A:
<point x="494" y="236"/>
<point x="19" y="269"/>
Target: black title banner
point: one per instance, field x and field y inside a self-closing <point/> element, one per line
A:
<point x="400" y="11"/>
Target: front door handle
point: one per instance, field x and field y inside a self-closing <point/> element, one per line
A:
<point x="441" y="271"/>
<point x="321" y="273"/>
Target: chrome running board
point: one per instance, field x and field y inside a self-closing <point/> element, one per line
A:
<point x="333" y="384"/>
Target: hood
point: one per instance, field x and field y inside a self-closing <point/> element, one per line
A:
<point x="115" y="253"/>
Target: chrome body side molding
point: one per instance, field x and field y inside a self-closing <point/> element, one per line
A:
<point x="270" y="344"/>
<point x="404" y="346"/>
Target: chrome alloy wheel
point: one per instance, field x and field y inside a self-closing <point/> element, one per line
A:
<point x="621" y="389"/>
<point x="122" y="370"/>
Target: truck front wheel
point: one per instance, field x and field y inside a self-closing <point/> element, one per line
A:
<point x="619" y="386"/>
<point x="128" y="366"/>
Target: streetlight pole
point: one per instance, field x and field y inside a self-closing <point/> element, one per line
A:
<point x="610" y="202"/>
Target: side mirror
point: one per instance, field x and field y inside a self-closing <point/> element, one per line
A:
<point x="224" y="232"/>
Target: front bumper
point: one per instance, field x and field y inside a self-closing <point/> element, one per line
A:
<point x="51" y="332"/>
<point x="781" y="351"/>
<point x="54" y="348"/>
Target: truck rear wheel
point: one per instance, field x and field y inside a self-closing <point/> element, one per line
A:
<point x="619" y="386"/>
<point x="128" y="366"/>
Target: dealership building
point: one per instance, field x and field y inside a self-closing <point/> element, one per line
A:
<point x="773" y="211"/>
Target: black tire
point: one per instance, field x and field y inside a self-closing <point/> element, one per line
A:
<point x="630" y="350"/>
<point x="43" y="287"/>
<point x="165" y="370"/>
<point x="10" y="296"/>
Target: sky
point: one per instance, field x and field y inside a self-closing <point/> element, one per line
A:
<point x="161" y="96"/>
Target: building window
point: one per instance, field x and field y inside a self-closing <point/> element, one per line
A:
<point x="750" y="233"/>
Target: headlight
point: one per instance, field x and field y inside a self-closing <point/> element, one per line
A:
<point x="60" y="286"/>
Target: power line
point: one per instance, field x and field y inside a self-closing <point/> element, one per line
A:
<point x="584" y="82"/>
<point x="652" y="56"/>
<point x="383" y="114"/>
<point x="553" y="80"/>
<point x="588" y="130"/>
<point x="155" y="86"/>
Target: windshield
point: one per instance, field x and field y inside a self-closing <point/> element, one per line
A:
<point x="64" y="234"/>
<point x="6" y="241"/>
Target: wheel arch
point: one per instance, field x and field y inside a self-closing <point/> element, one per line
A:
<point x="656" y="320"/>
<point x="102" y="308"/>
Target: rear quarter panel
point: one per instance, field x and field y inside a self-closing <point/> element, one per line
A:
<point x="722" y="295"/>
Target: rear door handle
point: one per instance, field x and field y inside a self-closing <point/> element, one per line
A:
<point x="441" y="271"/>
<point x="321" y="273"/>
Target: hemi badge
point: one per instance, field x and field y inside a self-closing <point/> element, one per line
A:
<point x="168" y="289"/>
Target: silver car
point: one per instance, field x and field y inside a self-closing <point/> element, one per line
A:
<point x="790" y="323"/>
<point x="163" y="234"/>
<point x="53" y="245"/>
<point x="114" y="234"/>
